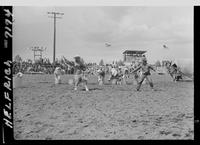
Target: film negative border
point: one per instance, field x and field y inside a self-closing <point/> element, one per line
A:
<point x="6" y="73"/>
<point x="196" y="72"/>
<point x="6" y="20"/>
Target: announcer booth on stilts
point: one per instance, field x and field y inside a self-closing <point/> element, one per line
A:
<point x="132" y="56"/>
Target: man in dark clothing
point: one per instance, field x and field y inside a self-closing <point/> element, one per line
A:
<point x="79" y="76"/>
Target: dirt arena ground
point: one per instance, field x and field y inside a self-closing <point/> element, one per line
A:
<point x="44" y="111"/>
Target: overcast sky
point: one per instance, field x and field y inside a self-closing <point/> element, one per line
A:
<point x="85" y="30"/>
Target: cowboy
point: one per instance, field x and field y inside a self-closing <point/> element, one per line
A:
<point x="114" y="73"/>
<point x="101" y="75"/>
<point x="57" y="73"/>
<point x="145" y="68"/>
<point x="175" y="72"/>
<point x="120" y="76"/>
<point x="136" y="74"/>
<point x="18" y="80"/>
<point x="79" y="69"/>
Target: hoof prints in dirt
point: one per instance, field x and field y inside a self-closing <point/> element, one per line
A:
<point x="93" y="89"/>
<point x="44" y="82"/>
<point x="48" y="138"/>
<point x="44" y="111"/>
<point x="165" y="132"/>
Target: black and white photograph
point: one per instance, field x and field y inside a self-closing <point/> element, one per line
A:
<point x="103" y="72"/>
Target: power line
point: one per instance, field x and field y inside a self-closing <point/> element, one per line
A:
<point x="54" y="40"/>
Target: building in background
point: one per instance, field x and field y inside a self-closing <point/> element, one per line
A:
<point x="132" y="56"/>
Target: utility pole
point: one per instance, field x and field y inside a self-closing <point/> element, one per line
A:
<point x="54" y="36"/>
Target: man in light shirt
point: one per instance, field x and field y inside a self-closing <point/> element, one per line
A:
<point x="145" y="69"/>
<point x="57" y="75"/>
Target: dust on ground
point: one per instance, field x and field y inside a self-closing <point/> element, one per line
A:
<point x="44" y="111"/>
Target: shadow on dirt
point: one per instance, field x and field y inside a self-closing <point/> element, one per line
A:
<point x="185" y="81"/>
<point x="44" y="82"/>
<point x="92" y="83"/>
<point x="129" y="83"/>
<point x="93" y="89"/>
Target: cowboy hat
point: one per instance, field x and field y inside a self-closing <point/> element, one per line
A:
<point x="77" y="56"/>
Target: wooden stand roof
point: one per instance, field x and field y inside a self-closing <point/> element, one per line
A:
<point x="133" y="52"/>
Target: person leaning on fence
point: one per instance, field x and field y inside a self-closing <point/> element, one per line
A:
<point x="79" y="76"/>
<point x="145" y="68"/>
